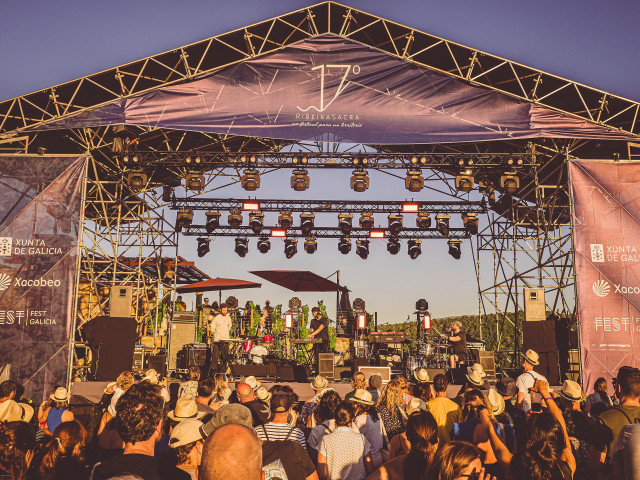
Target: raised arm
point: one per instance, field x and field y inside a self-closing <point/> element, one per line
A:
<point x="500" y="450"/>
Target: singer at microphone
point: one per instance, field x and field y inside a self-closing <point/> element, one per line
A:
<point x="458" y="340"/>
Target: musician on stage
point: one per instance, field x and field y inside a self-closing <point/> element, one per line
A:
<point x="265" y="327"/>
<point x="219" y="328"/>
<point x="319" y="329"/>
<point x="458" y="340"/>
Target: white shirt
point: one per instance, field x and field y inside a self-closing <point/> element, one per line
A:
<point x="220" y="327"/>
<point x="345" y="450"/>
<point x="523" y="383"/>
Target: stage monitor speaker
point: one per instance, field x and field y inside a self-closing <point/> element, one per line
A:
<point x="326" y="362"/>
<point x="292" y="373"/>
<point x="488" y="362"/>
<point x="534" y="307"/>
<point x="433" y="372"/>
<point x="384" y="372"/>
<point x="180" y="334"/>
<point x="157" y="362"/>
<point x="360" y="362"/>
<point x="258" y="371"/>
<point x="112" y="340"/>
<point x="120" y="301"/>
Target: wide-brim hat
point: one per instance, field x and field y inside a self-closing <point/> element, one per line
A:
<point x="12" y="411"/>
<point x="252" y="382"/>
<point x="415" y="405"/>
<point x="507" y="387"/>
<point x="110" y="385"/>
<point x="319" y="383"/>
<point x="478" y="368"/>
<point x="475" y="378"/>
<point x="421" y="375"/>
<point x="60" y="395"/>
<point x="232" y="413"/>
<point x="186" y="432"/>
<point x="263" y="394"/>
<point x="532" y="357"/>
<point x="496" y="401"/>
<point x="151" y="376"/>
<point x="571" y="391"/>
<point x="186" y="407"/>
<point x="457" y="323"/>
<point x="362" y="396"/>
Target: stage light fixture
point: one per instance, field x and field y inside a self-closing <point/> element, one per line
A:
<point x="410" y="207"/>
<point x="345" y="223"/>
<point x="203" y="246"/>
<point x="465" y="181"/>
<point x="250" y="181"/>
<point x="442" y="224"/>
<point x="376" y="234"/>
<point x="514" y="161"/>
<point x="285" y="219"/>
<point x="188" y="160"/>
<point x="359" y="305"/>
<point x="195" y="182"/>
<point x="344" y="245"/>
<point x="361" y="321"/>
<point x="414" y="181"/>
<point x="414" y="248"/>
<point x="235" y="218"/>
<point x="135" y="159"/>
<point x="362" y="248"/>
<point x="167" y="193"/>
<point x="278" y="232"/>
<point x="359" y="181"/>
<point x="250" y="206"/>
<point x="310" y="245"/>
<point x="414" y="160"/>
<point x="300" y="180"/>
<point x="454" y="248"/>
<point x="183" y="219"/>
<point x="465" y="162"/>
<point x="290" y="247"/>
<point x="213" y="221"/>
<point x="264" y="245"/>
<point x="426" y="321"/>
<point x="510" y="182"/>
<point x="288" y="321"/>
<point x="366" y="220"/>
<point x="242" y="247"/>
<point x="395" y="223"/>
<point x="306" y="223"/>
<point x="360" y="160"/>
<point x="423" y="221"/>
<point x="470" y="221"/>
<point x="393" y="245"/>
<point x="137" y="180"/>
<point x="198" y="160"/>
<point x="422" y="305"/>
<point x="256" y="221"/>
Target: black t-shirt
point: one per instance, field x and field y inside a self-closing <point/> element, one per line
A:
<point x="315" y="324"/>
<point x="461" y="345"/>
<point x="259" y="412"/>
<point x="285" y="460"/>
<point x="144" y="466"/>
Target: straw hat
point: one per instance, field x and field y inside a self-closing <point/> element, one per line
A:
<point x="507" y="387"/>
<point x="327" y="390"/>
<point x="319" y="383"/>
<point x="362" y="396"/>
<point x="263" y="394"/>
<point x="475" y="378"/>
<point x="416" y="405"/>
<point x="571" y="391"/>
<point x="186" y="407"/>
<point x="252" y="382"/>
<point x="532" y="357"/>
<point x="12" y="411"/>
<point x="496" y="401"/>
<point x="421" y="375"/>
<point x="151" y="375"/>
<point x="478" y="368"/>
<point x="110" y="386"/>
<point x="60" y="395"/>
<point x="186" y="432"/>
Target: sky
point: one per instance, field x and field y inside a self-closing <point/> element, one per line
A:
<point x="591" y="42"/>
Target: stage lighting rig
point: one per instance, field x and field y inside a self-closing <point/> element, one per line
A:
<point x="306" y="223"/>
<point x="366" y="220"/>
<point x="250" y="181"/>
<point x="195" y="182"/>
<point x="454" y="248"/>
<point x="300" y="158"/>
<point x="465" y="181"/>
<point x="344" y="245"/>
<point x="414" y="181"/>
<point x="290" y="247"/>
<point x="256" y="221"/>
<point x="442" y="224"/>
<point x="345" y="223"/>
<point x="264" y="245"/>
<point x="242" y="247"/>
<point x="510" y="182"/>
<point x="310" y="245"/>
<point x="422" y="305"/>
<point x="465" y="162"/>
<point x="423" y="221"/>
<point x="470" y="221"/>
<point x="203" y="246"/>
<point x="414" y="248"/>
<point x="360" y="160"/>
<point x="300" y="180"/>
<point x="213" y="221"/>
<point x="137" y="180"/>
<point x="285" y="219"/>
<point x="393" y="245"/>
<point x="359" y="181"/>
<point x="362" y="248"/>
<point x="395" y="223"/>
<point x="183" y="219"/>
<point x="235" y="218"/>
<point x="512" y="162"/>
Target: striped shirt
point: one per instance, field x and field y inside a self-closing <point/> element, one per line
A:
<point x="280" y="431"/>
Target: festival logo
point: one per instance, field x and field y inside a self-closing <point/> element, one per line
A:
<point x="597" y="253"/>
<point x="5" y="281"/>
<point x="345" y="70"/>
<point x="601" y="288"/>
<point x="5" y="246"/>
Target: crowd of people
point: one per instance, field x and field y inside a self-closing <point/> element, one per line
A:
<point x="410" y="428"/>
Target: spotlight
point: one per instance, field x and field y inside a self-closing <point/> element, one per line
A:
<point x="414" y="181"/>
<point x="414" y="160"/>
<point x="422" y="305"/>
<point x="376" y="234"/>
<point x="360" y="160"/>
<point x="213" y="221"/>
<point x="345" y="223"/>
<point x="344" y="245"/>
<point x="183" y="219"/>
<point x="251" y="206"/>
<point x="306" y="223"/>
<point x="470" y="220"/>
<point x="290" y="247"/>
<point x="310" y="245"/>
<point x="410" y="207"/>
<point x="300" y="180"/>
<point x="256" y="221"/>
<point x="195" y="182"/>
<point x="362" y="248"/>
<point x="203" y="246"/>
<point x="395" y="223"/>
<point x="278" y="232"/>
<point x="393" y="245"/>
<point x="514" y="161"/>
<point x="137" y="180"/>
<point x="250" y="181"/>
<point x="465" y="162"/>
<point x="285" y="219"/>
<point x="414" y="248"/>
<point x="198" y="160"/>
<point x="188" y="160"/>
<point x="359" y="305"/>
<point x="359" y="181"/>
<point x="242" y="246"/>
<point x="167" y="193"/>
<point x="442" y="224"/>
<point x="235" y="218"/>
<point x="454" y="248"/>
<point x="423" y="221"/>
<point x="510" y="182"/>
<point x="264" y="245"/>
<point x="366" y="220"/>
<point x="465" y="181"/>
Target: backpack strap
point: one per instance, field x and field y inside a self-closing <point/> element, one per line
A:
<point x="289" y="433"/>
<point x="622" y="412"/>
<point x="265" y="432"/>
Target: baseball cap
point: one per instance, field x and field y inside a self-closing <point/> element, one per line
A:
<point x="281" y="402"/>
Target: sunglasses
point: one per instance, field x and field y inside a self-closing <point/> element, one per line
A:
<point x="471" y="476"/>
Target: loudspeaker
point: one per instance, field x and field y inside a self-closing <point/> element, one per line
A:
<point x="488" y="362"/>
<point x="534" y="307"/>
<point x="120" y="301"/>
<point x="360" y="362"/>
<point x="261" y="371"/>
<point x="433" y="372"/>
<point x="157" y="362"/>
<point x="541" y="337"/>
<point x="384" y="372"/>
<point x="292" y="373"/>
<point x="138" y="360"/>
<point x="326" y="362"/>
<point x="198" y="355"/>
<point x="180" y="334"/>
<point x="112" y="340"/>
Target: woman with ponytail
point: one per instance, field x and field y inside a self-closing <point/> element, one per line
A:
<point x="17" y="445"/>
<point x="455" y="460"/>
<point x="63" y="456"/>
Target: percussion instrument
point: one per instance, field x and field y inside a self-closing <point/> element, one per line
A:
<point x="267" y="339"/>
<point x="247" y="346"/>
<point x="257" y="353"/>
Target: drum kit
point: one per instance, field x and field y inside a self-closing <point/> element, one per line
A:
<point x="428" y="354"/>
<point x="255" y="349"/>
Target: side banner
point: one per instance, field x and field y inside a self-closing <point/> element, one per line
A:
<point x="606" y="219"/>
<point x="40" y="203"/>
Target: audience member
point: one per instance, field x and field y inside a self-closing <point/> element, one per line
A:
<point x="232" y="452"/>
<point x="247" y="397"/>
<point x="17" y="447"/>
<point x="512" y="415"/>
<point x="58" y="410"/>
<point x="221" y="390"/>
<point x="307" y="418"/>
<point x="278" y="428"/>
<point x="325" y="422"/>
<point x="117" y="388"/>
<point x="63" y="456"/>
<point x="600" y="395"/>
<point x="12" y="411"/>
<point x="8" y="390"/>
<point x="570" y="396"/>
<point x="190" y="387"/>
<point x="154" y="378"/>
<point x="186" y="443"/>
<point x="399" y="444"/>
<point x="186" y="407"/>
<point x="369" y="424"/>
<point x="205" y="395"/>
<point x="455" y="460"/>
<point x="390" y="409"/>
<point x="444" y="410"/>
<point x="264" y="397"/>
<point x="358" y="381"/>
<point x="526" y="381"/>
<point x="625" y="460"/>
<point x="579" y="431"/>
<point x="375" y="384"/>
